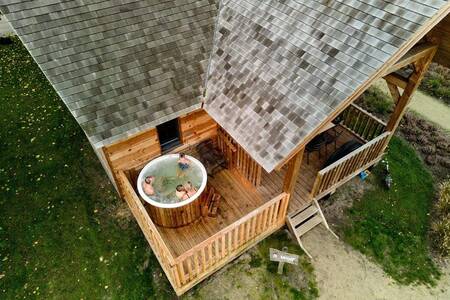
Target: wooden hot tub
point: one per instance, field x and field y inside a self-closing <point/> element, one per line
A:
<point x="177" y="213"/>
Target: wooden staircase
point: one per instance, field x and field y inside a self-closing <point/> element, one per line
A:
<point x="305" y="219"/>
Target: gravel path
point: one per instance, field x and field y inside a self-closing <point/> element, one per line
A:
<point x="428" y="107"/>
<point x="344" y="273"/>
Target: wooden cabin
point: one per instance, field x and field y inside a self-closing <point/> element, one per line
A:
<point x="270" y="85"/>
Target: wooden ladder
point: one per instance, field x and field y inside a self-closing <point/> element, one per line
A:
<point x="305" y="219"/>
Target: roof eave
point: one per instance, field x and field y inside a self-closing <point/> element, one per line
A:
<point x="429" y="25"/>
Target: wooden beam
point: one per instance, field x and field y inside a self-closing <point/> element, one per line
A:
<point x="413" y="84"/>
<point x="290" y="179"/>
<point x="397" y="80"/>
<point x="415" y="54"/>
<point x="395" y="93"/>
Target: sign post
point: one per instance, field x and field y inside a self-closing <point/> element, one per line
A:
<point x="283" y="257"/>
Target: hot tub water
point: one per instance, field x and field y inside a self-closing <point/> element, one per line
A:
<point x="166" y="179"/>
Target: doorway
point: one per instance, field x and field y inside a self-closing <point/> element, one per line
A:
<point x="169" y="135"/>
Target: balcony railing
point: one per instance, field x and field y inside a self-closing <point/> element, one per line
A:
<point x="226" y="244"/>
<point x="362" y="123"/>
<point x="329" y="178"/>
<point x="208" y="256"/>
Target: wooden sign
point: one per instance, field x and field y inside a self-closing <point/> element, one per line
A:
<point x="283" y="257"/>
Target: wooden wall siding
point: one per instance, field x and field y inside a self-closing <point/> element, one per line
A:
<point x="362" y="123"/>
<point x="238" y="158"/>
<point x="196" y="127"/>
<point x="442" y="32"/>
<point x="208" y="256"/>
<point x="331" y="177"/>
<point x="133" y="152"/>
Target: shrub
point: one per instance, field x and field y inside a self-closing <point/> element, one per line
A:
<point x="376" y="101"/>
<point x="437" y="82"/>
<point x="441" y="227"/>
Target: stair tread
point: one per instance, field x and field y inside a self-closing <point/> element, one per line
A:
<point x="308" y="225"/>
<point x="303" y="215"/>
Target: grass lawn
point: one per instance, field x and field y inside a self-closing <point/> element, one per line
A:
<point x="391" y="226"/>
<point x="59" y="238"/>
<point x="254" y="276"/>
<point x="62" y="230"/>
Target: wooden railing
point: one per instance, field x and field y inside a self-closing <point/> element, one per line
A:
<point x="362" y="123"/>
<point x="238" y="158"/>
<point x="206" y="257"/>
<point x="200" y="261"/>
<point x="350" y="165"/>
<point x="149" y="229"/>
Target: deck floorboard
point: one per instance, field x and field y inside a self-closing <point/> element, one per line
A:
<point x="239" y="198"/>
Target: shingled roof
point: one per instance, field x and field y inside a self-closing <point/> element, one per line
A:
<point x="277" y="71"/>
<point x="120" y="66"/>
<point x="280" y="68"/>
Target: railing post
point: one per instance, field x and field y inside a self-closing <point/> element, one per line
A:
<point x="290" y="179"/>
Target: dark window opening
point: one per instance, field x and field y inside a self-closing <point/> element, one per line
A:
<point x="169" y="135"/>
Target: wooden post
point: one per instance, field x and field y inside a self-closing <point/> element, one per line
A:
<point x="413" y="82"/>
<point x="290" y="179"/>
<point x="395" y="93"/>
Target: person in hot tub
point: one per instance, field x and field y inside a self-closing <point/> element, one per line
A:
<point x="183" y="164"/>
<point x="190" y="189"/>
<point x="147" y="185"/>
<point x="181" y="192"/>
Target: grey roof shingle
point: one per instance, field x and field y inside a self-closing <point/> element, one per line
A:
<point x="120" y="66"/>
<point x="277" y="70"/>
<point x="280" y="68"/>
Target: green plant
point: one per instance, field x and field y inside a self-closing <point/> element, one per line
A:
<point x="391" y="226"/>
<point x="59" y="236"/>
<point x="437" y="82"/>
<point x="441" y="226"/>
<point x="376" y="101"/>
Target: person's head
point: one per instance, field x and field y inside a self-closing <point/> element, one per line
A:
<point x="189" y="184"/>
<point x="180" y="188"/>
<point x="149" y="179"/>
<point x="182" y="155"/>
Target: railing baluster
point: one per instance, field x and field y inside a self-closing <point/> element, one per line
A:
<point x="333" y="175"/>
<point x="208" y="255"/>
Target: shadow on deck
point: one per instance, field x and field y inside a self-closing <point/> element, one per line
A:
<point x="272" y="183"/>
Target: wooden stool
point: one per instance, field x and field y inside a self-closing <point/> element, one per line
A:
<point x="210" y="202"/>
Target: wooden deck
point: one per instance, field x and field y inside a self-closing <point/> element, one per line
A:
<point x="240" y="197"/>
<point x="271" y="183"/>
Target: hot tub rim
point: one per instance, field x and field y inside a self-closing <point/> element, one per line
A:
<point x="177" y="204"/>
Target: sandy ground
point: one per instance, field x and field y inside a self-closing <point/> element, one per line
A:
<point x="428" y="107"/>
<point x="343" y="273"/>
